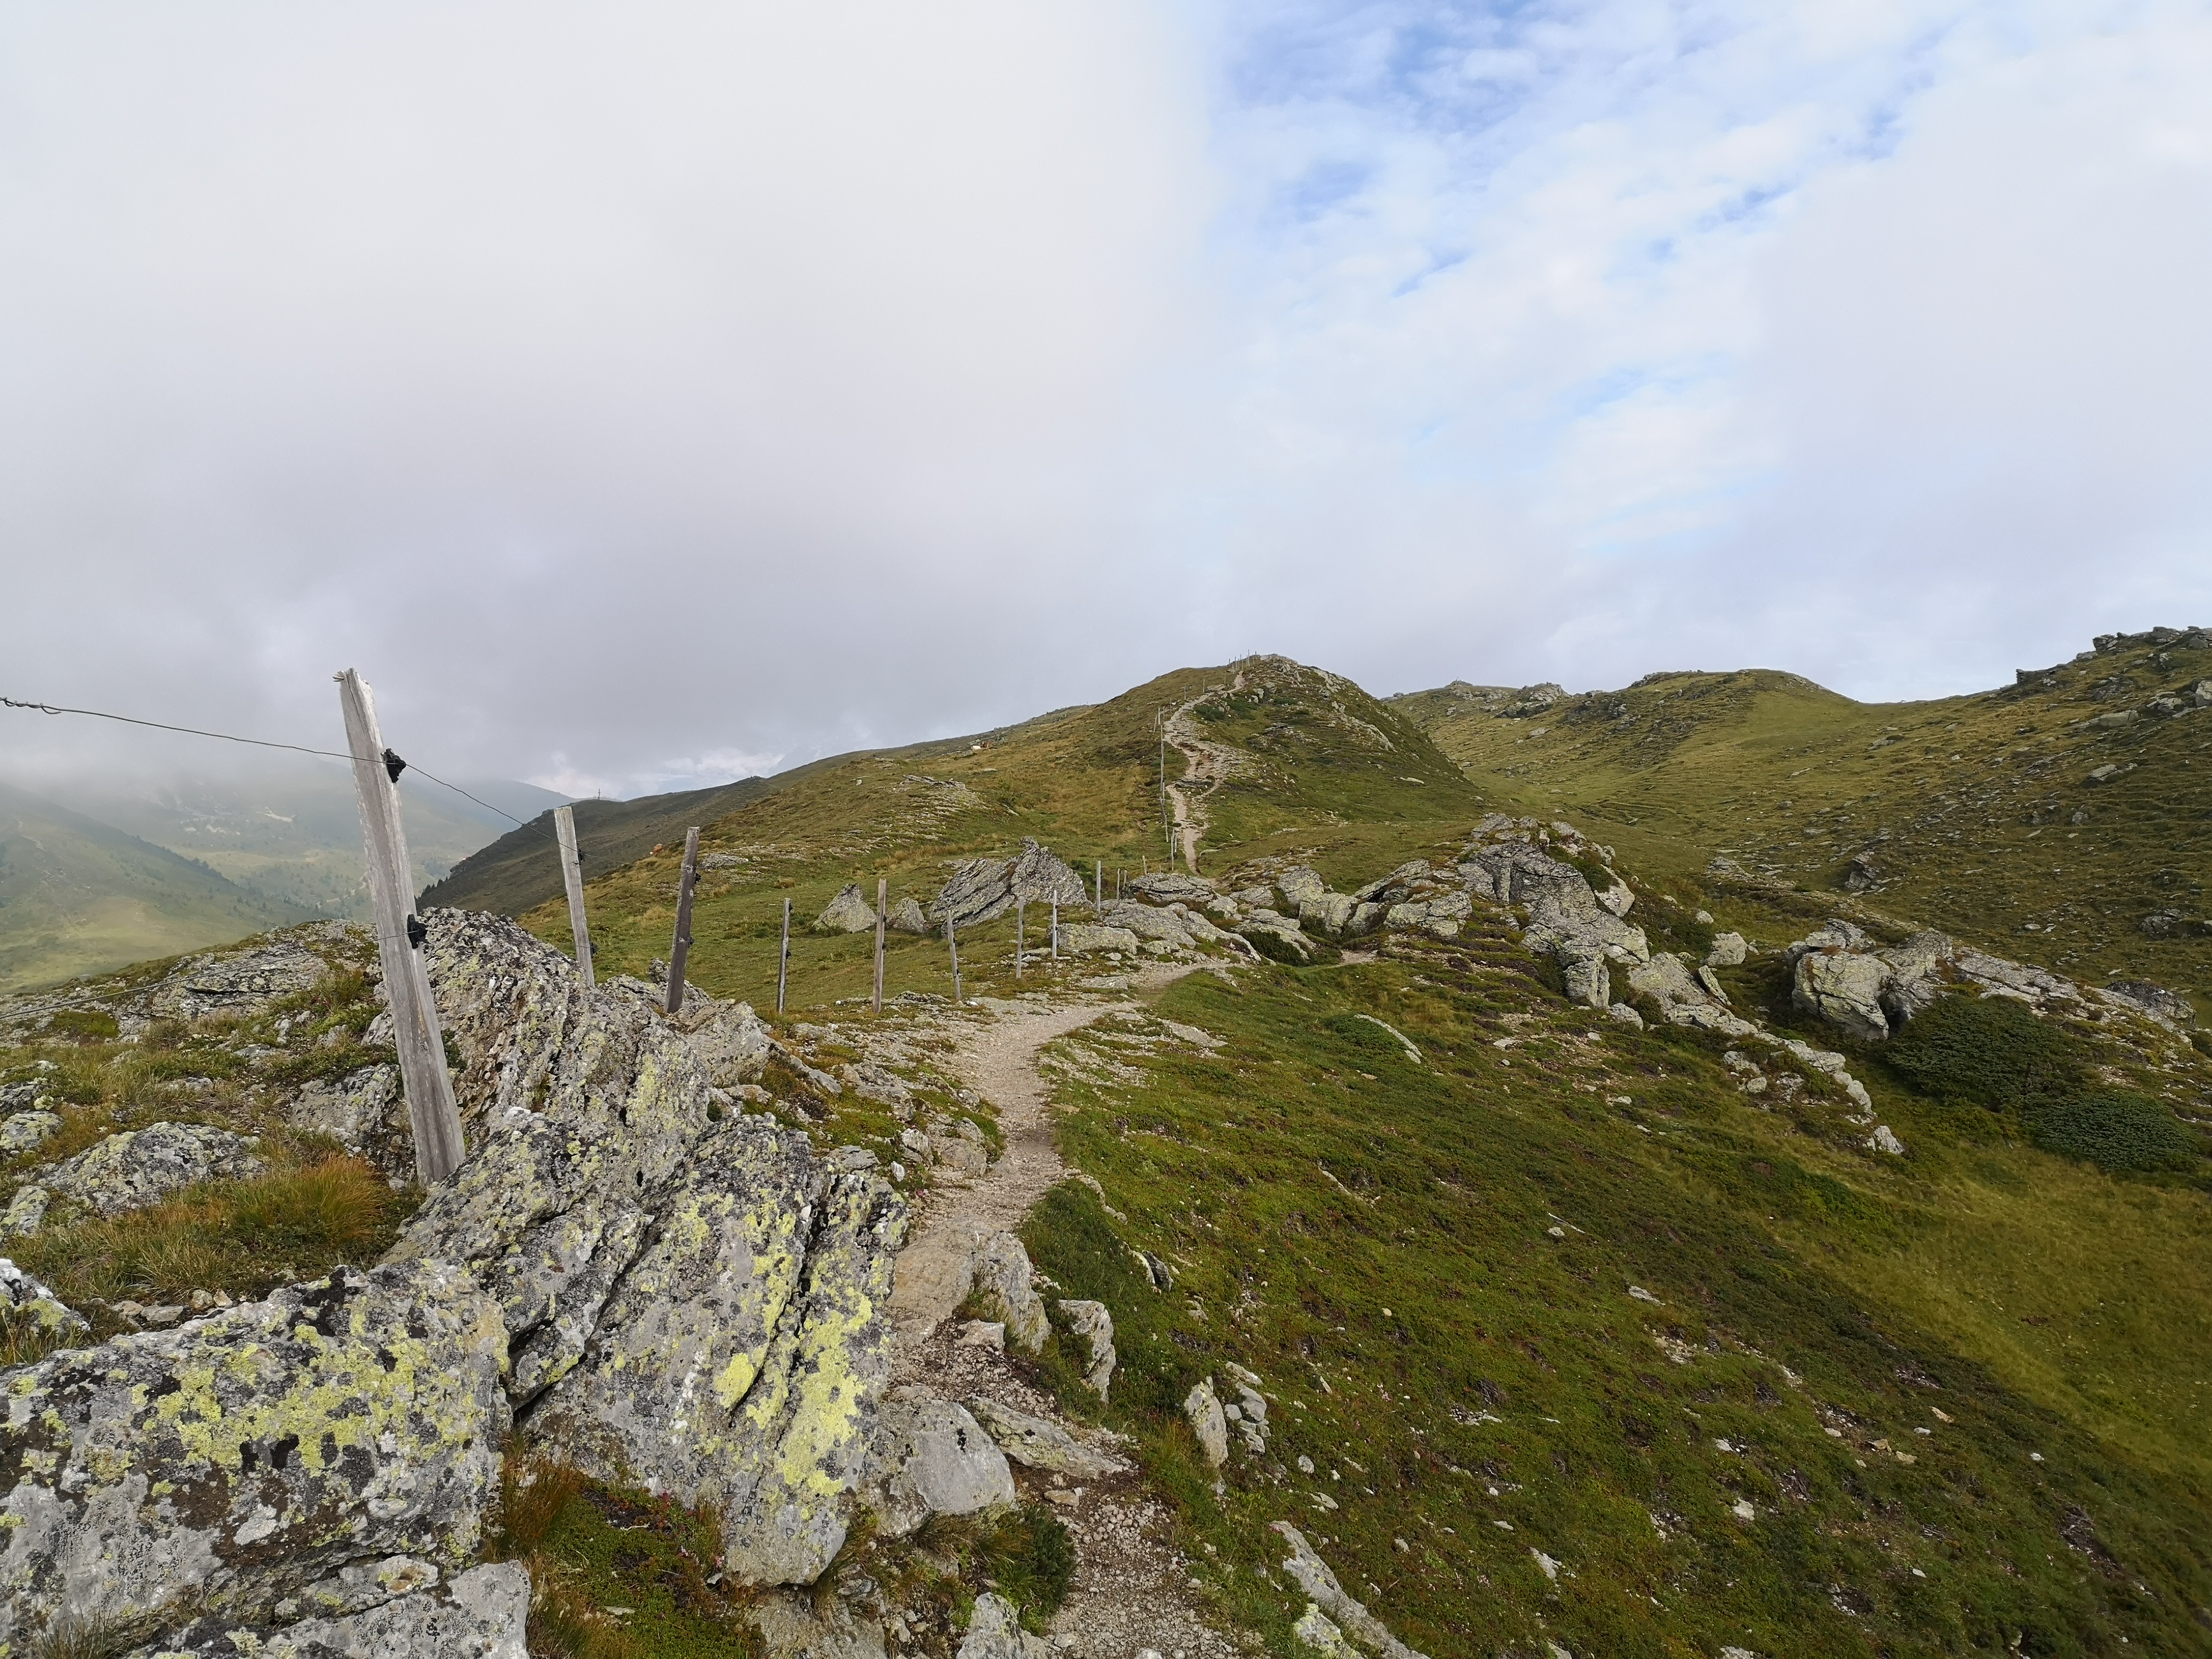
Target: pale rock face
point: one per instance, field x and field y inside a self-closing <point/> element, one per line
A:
<point x="1844" y="989"/>
<point x="1036" y="1444"/>
<point x="1728" y="951"/>
<point x="906" y="917"/>
<point x="1202" y="1407"/>
<point x="1621" y="1014"/>
<point x="1083" y="939"/>
<point x="247" y="1455"/>
<point x="481" y="1613"/>
<point x="1685" y="1000"/>
<point x="1142" y="921"/>
<point x="1092" y="1322"/>
<point x="937" y="1461"/>
<point x="983" y="889"/>
<point x="1170" y="887"/>
<point x="139" y="1167"/>
<point x="849" y="913"/>
<point x="729" y="1040"/>
<point x="1002" y="1283"/>
<point x="243" y="983"/>
<point x="1588" y="980"/>
<point x="26" y="1132"/>
<point x="365" y="1113"/>
<point x="994" y="1631"/>
<point x="1314" y="1631"/>
<point x="1883" y="1140"/>
<point x="1297" y="885"/>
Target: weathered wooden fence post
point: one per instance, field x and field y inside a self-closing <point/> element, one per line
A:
<point x="883" y="900"/>
<point x="1019" y="904"/>
<point x="680" y="947"/>
<point x="1055" y="927"/>
<point x="954" y="945"/>
<point x="783" y="957"/>
<point x="572" y="878"/>
<point x="1098" y="883"/>
<point x="431" y="1113"/>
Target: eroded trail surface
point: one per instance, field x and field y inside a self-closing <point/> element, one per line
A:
<point x="1206" y="763"/>
<point x="1133" y="1590"/>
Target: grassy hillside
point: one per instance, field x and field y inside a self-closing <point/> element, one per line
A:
<point x="78" y="896"/>
<point x="1976" y="814"/>
<point x="1330" y="785"/>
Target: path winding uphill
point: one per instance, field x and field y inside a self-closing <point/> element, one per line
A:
<point x="1204" y="761"/>
<point x="1132" y="1591"/>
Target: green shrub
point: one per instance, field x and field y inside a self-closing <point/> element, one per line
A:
<point x="1990" y="1052"/>
<point x="2113" y="1130"/>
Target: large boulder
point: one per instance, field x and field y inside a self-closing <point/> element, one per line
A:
<point x="1147" y="923"/>
<point x="1297" y="884"/>
<point x="363" y="1111"/>
<point x="1079" y="938"/>
<point x="1562" y="908"/>
<point x="696" y="1308"/>
<point x="849" y="913"/>
<point x="249" y="1455"/>
<point x="983" y="890"/>
<point x="1201" y="1409"/>
<point x="936" y="1460"/>
<point x="1843" y="988"/>
<point x="994" y="1631"/>
<point x="27" y="1131"/>
<point x="1685" y="997"/>
<point x="906" y="917"/>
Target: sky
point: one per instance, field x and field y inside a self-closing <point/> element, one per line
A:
<point x="641" y="396"/>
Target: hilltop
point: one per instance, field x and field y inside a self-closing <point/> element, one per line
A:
<point x="1410" y="1223"/>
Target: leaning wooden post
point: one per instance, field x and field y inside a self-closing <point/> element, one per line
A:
<point x="1018" y="903"/>
<point x="954" y="945"/>
<point x="572" y="878"/>
<point x="680" y="947"/>
<point x="783" y="957"/>
<point x="883" y="892"/>
<point x="431" y="1113"/>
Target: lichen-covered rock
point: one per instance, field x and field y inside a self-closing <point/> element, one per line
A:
<point x="936" y="1460"/>
<point x="983" y="890"/>
<point x="1002" y="1284"/>
<point x="235" y="983"/>
<point x="481" y="1613"/>
<point x="1683" y="999"/>
<point x="1327" y="913"/>
<point x="238" y="1459"/>
<point x="731" y="1042"/>
<point x="139" y="1167"/>
<point x="1036" y="1444"/>
<point x="1589" y="978"/>
<point x="26" y="1132"/>
<point x="1843" y="988"/>
<point x="906" y="917"/>
<point x="1728" y="950"/>
<point x="26" y="1304"/>
<point x="1201" y="1408"/>
<point x="364" y="1112"/>
<point x="1082" y="939"/>
<point x="849" y="913"/>
<point x="1147" y="923"/>
<point x="1171" y="886"/>
<point x="1092" y="1322"/>
<point x="26" y="1212"/>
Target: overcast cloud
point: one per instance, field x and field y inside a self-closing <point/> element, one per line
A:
<point x="645" y="395"/>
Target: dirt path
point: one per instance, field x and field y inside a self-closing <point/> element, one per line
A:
<point x="1131" y="1589"/>
<point x="1204" y="761"/>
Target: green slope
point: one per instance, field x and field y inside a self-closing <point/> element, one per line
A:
<point x="78" y="896"/>
<point x="1975" y="814"/>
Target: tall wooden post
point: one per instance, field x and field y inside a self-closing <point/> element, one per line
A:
<point x="954" y="945"/>
<point x="680" y="947"/>
<point x="783" y="957"/>
<point x="1055" y="927"/>
<point x="1098" y="883"/>
<point x="431" y="1113"/>
<point x="572" y="878"/>
<point x="1019" y="904"/>
<point x="882" y="899"/>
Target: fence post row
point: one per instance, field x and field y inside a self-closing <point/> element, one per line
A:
<point x="680" y="947"/>
<point x="883" y="892"/>
<point x="783" y="957"/>
<point x="431" y="1114"/>
<point x="572" y="878"/>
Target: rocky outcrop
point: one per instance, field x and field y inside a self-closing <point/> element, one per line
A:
<point x="994" y="1631"/>
<point x="26" y="1132"/>
<point x="731" y="1041"/>
<point x="849" y="913"/>
<point x="481" y="1613"/>
<point x="1683" y="999"/>
<point x="364" y="1112"/>
<point x="1002" y="1284"/>
<point x="1843" y="988"/>
<point x="1562" y="908"/>
<point x="1201" y="1409"/>
<point x="235" y="983"/>
<point x="1147" y="923"/>
<point x="693" y="1306"/>
<point x="1082" y="939"/>
<point x="251" y="1455"/>
<point x="1094" y="1325"/>
<point x="936" y="1460"/>
<point x="1170" y="887"/>
<point x="1036" y="1444"/>
<point x="131" y="1171"/>
<point x="983" y="890"/>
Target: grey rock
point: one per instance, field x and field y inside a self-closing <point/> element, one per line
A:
<point x="1281" y="935"/>
<point x="1728" y="951"/>
<point x="26" y="1132"/>
<point x="1562" y="908"/>
<point x="1683" y="999"/>
<point x="792" y="1625"/>
<point x="1327" y="913"/>
<point x="937" y="1461"/>
<point x="1844" y="989"/>
<point x="906" y="917"/>
<point x="1916" y="970"/>
<point x="481" y="1613"/>
<point x="731" y="1041"/>
<point x="2108" y="772"/>
<point x="983" y="889"/>
<point x="139" y="1167"/>
<point x="1081" y="938"/>
<point x="849" y="913"/>
<point x="1316" y="1631"/>
<point x="1201" y="1408"/>
<point x="1313" y="1576"/>
<point x="1002" y="1284"/>
<point x="25" y="1300"/>
<point x="1170" y="887"/>
<point x="2140" y="996"/>
<point x="365" y="1112"/>
<point x="1147" y="923"/>
<point x="1036" y="1444"/>
<point x="994" y="1631"/>
<point x="1884" y="1140"/>
<point x="1297" y="884"/>
<point x="1620" y="1013"/>
<point x="1588" y="980"/>
<point x="254" y="1451"/>
<point x="1398" y="884"/>
<point x="236" y="983"/>
<point x="26" y="1212"/>
<point x="878" y="1083"/>
<point x="1091" y="1322"/>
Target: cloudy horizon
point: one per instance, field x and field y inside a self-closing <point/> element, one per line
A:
<point x="643" y="397"/>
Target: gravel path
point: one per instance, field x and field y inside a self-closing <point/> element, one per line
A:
<point x="1133" y="1589"/>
